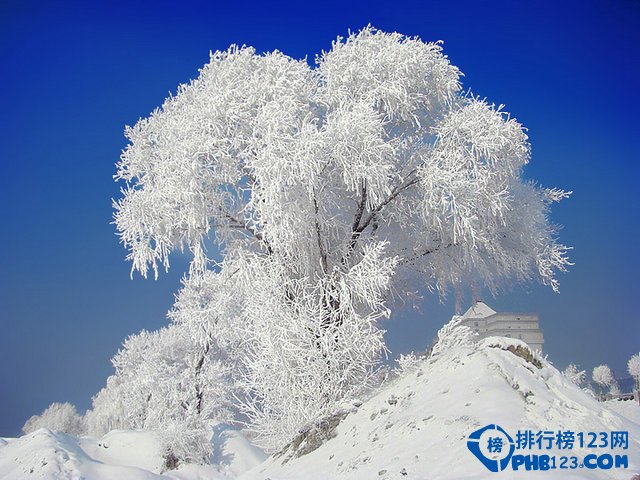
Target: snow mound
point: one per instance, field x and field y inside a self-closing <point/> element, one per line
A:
<point x="232" y="452"/>
<point x="416" y="427"/>
<point x="121" y="454"/>
<point x="126" y="448"/>
<point x="53" y="455"/>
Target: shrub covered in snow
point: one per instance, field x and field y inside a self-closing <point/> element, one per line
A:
<point x="408" y="361"/>
<point x="577" y="376"/>
<point x="451" y="335"/>
<point x="633" y="367"/>
<point x="60" y="417"/>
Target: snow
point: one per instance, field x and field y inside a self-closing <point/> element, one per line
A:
<point x="48" y="455"/>
<point x="629" y="409"/>
<point x="233" y="451"/>
<point x="126" y="448"/>
<point x="416" y="427"/>
<point x="121" y="454"/>
<point x="413" y="427"/>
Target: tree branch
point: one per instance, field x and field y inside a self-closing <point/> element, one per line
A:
<point x="243" y="226"/>
<point x="360" y="209"/>
<point x="356" y="224"/>
<point x="323" y="253"/>
<point x="359" y="227"/>
<point x="428" y="252"/>
<point x="409" y="182"/>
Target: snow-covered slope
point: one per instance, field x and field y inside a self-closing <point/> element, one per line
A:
<point x="119" y="455"/>
<point x="45" y="454"/>
<point x="626" y="408"/>
<point x="417" y="426"/>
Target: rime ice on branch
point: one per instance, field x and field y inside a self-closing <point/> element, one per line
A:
<point x="330" y="192"/>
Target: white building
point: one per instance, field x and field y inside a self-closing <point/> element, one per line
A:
<point x="488" y="323"/>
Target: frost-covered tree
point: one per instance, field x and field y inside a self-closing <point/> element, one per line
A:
<point x="614" y="388"/>
<point x="164" y="382"/>
<point x="60" y="417"/>
<point x="332" y="192"/>
<point x="577" y="376"/>
<point x="633" y="367"/>
<point x="112" y="409"/>
<point x="603" y="376"/>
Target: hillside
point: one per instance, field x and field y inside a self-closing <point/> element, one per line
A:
<point x="416" y="427"/>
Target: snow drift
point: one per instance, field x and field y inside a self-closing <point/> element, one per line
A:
<point x="130" y="455"/>
<point x="416" y="426"/>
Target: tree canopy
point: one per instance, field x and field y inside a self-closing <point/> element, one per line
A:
<point x="333" y="192"/>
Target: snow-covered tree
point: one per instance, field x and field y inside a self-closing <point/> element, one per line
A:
<point x="112" y="409"/>
<point x="61" y="417"/>
<point x="164" y="382"/>
<point x="633" y="367"/>
<point x="614" y="388"/>
<point x="332" y="192"/>
<point x="603" y="376"/>
<point x="577" y="376"/>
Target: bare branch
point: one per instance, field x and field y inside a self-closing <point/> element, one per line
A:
<point x="243" y="226"/>
<point x="358" y="227"/>
<point x="323" y="253"/>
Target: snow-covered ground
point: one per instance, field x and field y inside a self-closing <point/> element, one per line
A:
<point x="414" y="427"/>
<point x="119" y="455"/>
<point x="628" y="409"/>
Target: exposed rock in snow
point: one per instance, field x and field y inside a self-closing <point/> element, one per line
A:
<point x="313" y="437"/>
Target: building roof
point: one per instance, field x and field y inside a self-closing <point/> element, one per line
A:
<point x="479" y="310"/>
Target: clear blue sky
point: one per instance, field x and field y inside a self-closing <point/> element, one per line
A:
<point x="74" y="73"/>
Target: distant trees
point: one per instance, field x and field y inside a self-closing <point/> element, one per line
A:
<point x="614" y="388"/>
<point x="332" y="193"/>
<point x="61" y="417"/>
<point x="604" y="378"/>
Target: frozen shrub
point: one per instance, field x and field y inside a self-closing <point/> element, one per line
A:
<point x="59" y="417"/>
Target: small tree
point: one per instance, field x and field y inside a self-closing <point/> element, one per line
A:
<point x="614" y="388"/>
<point x="165" y="382"/>
<point x="577" y="376"/>
<point x="112" y="409"/>
<point x="603" y="376"/>
<point x="61" y="417"/>
<point x="633" y="367"/>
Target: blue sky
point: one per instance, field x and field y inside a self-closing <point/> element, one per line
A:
<point x="75" y="73"/>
